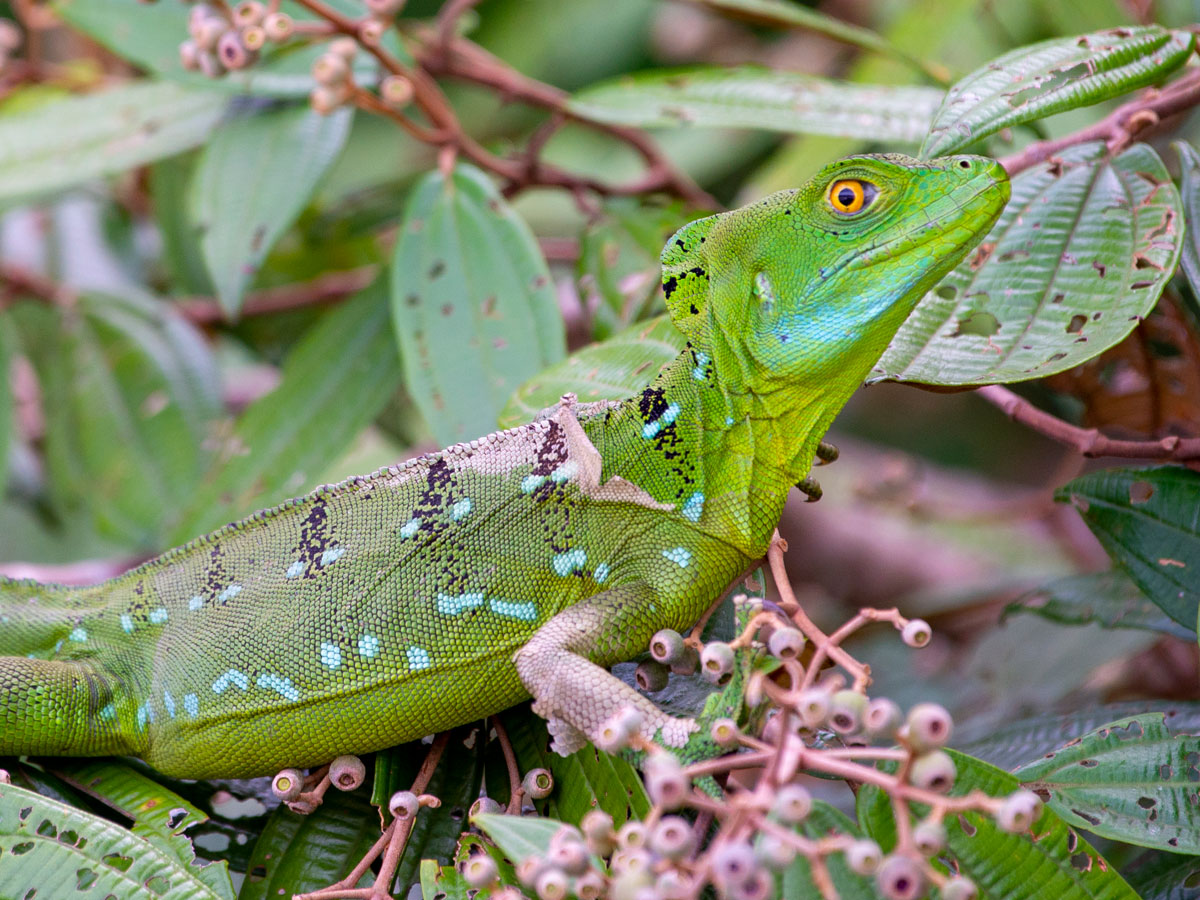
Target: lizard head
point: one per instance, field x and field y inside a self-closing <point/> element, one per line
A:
<point x="810" y="285"/>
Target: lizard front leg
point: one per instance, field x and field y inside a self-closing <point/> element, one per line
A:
<point x="561" y="666"/>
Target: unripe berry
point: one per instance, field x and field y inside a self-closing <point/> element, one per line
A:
<point x="666" y="782"/>
<point x="232" y="53"/>
<point x="597" y="825"/>
<point x="570" y="856"/>
<point x="10" y="36"/>
<point x="253" y="38"/>
<point x="813" y="706"/>
<point x="371" y="32"/>
<point x="774" y="852"/>
<point x="732" y="863"/>
<point x="538" y="783"/>
<point x="404" y="804"/>
<point x="189" y="56"/>
<point x="589" y="886"/>
<point x="688" y="663"/>
<point x="1019" y="811"/>
<point x="929" y="726"/>
<point x="278" y="27"/>
<point x="792" y="804"/>
<point x="785" y="643"/>
<point x="345" y="47"/>
<point x="929" y="837"/>
<point x="900" y="878"/>
<point x="846" y="710"/>
<point x="480" y="871"/>
<point x="672" y="885"/>
<point x="724" y="733"/>
<point x="716" y="661"/>
<point x="484" y="806"/>
<point x="347" y="772"/>
<point x="384" y="9"/>
<point x="330" y="70"/>
<point x="528" y="870"/>
<point x="633" y="859"/>
<point x="249" y="12"/>
<point x="667" y="646"/>
<point x="631" y="836"/>
<point x="651" y="676"/>
<point x="210" y="66"/>
<point x="617" y="729"/>
<point x="916" y="633"/>
<point x="208" y="31"/>
<point x="933" y="771"/>
<point x="882" y="718"/>
<point x="552" y="884"/>
<point x="864" y="857"/>
<point x="288" y="784"/>
<point x="960" y="888"/>
<point x="627" y="883"/>
<point x="671" y="837"/>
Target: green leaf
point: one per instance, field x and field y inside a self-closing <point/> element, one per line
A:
<point x="160" y="816"/>
<point x="1036" y="81"/>
<point x="1009" y="744"/>
<point x="780" y="14"/>
<point x="53" y="850"/>
<point x="65" y="143"/>
<point x="444" y="883"/>
<point x="611" y="370"/>
<point x="251" y="182"/>
<point x="335" y="380"/>
<point x="797" y="880"/>
<point x="1133" y="780"/>
<point x="1106" y="598"/>
<point x="1049" y="860"/>
<point x="1166" y="876"/>
<point x="135" y="393"/>
<point x="1078" y="257"/>
<point x="753" y="97"/>
<point x="1189" y="190"/>
<point x="469" y="285"/>
<point x="295" y="854"/>
<point x="182" y="258"/>
<point x="1149" y="522"/>
<point x="520" y="837"/>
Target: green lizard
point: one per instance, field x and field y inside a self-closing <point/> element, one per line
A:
<point x="433" y="593"/>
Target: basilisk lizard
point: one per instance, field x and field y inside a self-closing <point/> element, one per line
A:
<point x="432" y="593"/>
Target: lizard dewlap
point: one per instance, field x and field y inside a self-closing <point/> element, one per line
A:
<point x="433" y="593"/>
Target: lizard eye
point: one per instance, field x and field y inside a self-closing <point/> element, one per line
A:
<point x="849" y="195"/>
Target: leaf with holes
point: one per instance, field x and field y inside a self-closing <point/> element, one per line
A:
<point x="520" y="837"/>
<point x="1189" y="189"/>
<point x="1149" y="522"/>
<point x="1051" y="77"/>
<point x="53" y="850"/>
<point x="1165" y="876"/>
<point x="251" y="182"/>
<point x="1136" y="780"/>
<point x="65" y="143"/>
<point x="1080" y="254"/>
<point x="611" y="370"/>
<point x="469" y="285"/>
<point x="751" y="97"/>
<point x="1106" y="598"/>
<point x="1049" y="860"/>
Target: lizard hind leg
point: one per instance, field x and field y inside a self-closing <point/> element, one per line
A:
<point x="561" y="666"/>
<point x="59" y="708"/>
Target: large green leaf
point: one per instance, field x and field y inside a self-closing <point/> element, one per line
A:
<point x="133" y="395"/>
<point x="1009" y="744"/>
<point x="611" y="370"/>
<point x="159" y="815"/>
<point x="1133" y="780"/>
<point x="295" y="853"/>
<point x="797" y="881"/>
<point x="1033" y="82"/>
<point x="1189" y="190"/>
<point x="520" y="837"/>
<point x="753" y="97"/>
<point x="251" y="182"/>
<point x="1149" y="522"/>
<point x="64" y="143"/>
<point x="473" y="305"/>
<point x="1078" y="257"/>
<point x="335" y="380"/>
<point x="1049" y="860"/>
<point x="1106" y="598"/>
<point x="52" y="850"/>
<point x="1166" y="876"/>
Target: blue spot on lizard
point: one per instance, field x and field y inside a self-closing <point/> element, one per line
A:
<point x="331" y="655"/>
<point x="681" y="556"/>
<point x="418" y="658"/>
<point x="569" y="561"/>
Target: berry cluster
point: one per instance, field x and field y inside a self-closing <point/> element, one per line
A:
<point x="224" y="41"/>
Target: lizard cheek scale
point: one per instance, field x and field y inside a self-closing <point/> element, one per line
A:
<point x="521" y="564"/>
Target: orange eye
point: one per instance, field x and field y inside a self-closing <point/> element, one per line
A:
<point x="850" y="195"/>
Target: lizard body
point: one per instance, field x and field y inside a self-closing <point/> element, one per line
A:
<point x="430" y="594"/>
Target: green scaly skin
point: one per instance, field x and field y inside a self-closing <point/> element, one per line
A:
<point x="431" y="594"/>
